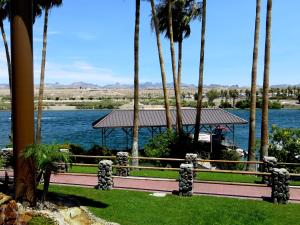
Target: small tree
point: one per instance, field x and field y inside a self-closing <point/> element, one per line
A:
<point x="212" y="95"/>
<point x="47" y="159"/>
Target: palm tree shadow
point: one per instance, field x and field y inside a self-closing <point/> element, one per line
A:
<point x="74" y="200"/>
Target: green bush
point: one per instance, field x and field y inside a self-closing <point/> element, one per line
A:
<point x="159" y="146"/>
<point x="275" y="105"/>
<point x="243" y="104"/>
<point x="231" y="155"/>
<point x="284" y="144"/>
<point x="225" y="104"/>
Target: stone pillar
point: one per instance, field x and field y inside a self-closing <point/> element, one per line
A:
<point x="105" y="181"/>
<point x="186" y="179"/>
<point x="192" y="158"/>
<point x="280" y="186"/>
<point x="269" y="163"/>
<point x="122" y="160"/>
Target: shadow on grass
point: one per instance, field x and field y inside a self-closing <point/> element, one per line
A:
<point x="74" y="200"/>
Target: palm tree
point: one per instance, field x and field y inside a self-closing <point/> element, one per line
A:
<point x="162" y="65"/>
<point x="176" y="87"/>
<point x="252" y="135"/>
<point x="201" y="69"/>
<point x="135" y="149"/>
<point x="47" y="159"/>
<point x="264" y="122"/>
<point x="46" y="5"/>
<point x="177" y="28"/>
<point x="4" y="14"/>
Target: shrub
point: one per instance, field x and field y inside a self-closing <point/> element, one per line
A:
<point x="243" y="104"/>
<point x="225" y="104"/>
<point x="275" y="105"/>
<point x="231" y="155"/>
<point x="284" y="144"/>
<point x="159" y="146"/>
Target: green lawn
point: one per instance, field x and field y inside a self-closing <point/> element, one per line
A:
<point x="139" y="208"/>
<point x="206" y="176"/>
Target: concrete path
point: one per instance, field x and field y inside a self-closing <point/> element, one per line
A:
<point x="248" y="191"/>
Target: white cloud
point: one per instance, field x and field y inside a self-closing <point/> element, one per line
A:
<point x="86" y="36"/>
<point x="79" y="71"/>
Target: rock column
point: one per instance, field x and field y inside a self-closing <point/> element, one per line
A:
<point x="280" y="186"/>
<point x="191" y="158"/>
<point x="269" y="163"/>
<point x="186" y="179"/>
<point x="122" y="160"/>
<point x="105" y="181"/>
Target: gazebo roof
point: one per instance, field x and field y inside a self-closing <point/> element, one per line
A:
<point x="157" y="118"/>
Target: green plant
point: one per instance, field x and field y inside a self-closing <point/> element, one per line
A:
<point x="46" y="159"/>
<point x="285" y="144"/>
<point x="231" y="155"/>
<point x="159" y="146"/>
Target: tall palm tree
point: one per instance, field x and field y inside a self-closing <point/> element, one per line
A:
<point x="135" y="149"/>
<point x="252" y="135"/>
<point x="264" y="122"/>
<point x="46" y="5"/>
<point x="178" y="14"/>
<point x="201" y="70"/>
<point x="162" y="66"/>
<point x="4" y="14"/>
<point x="175" y="81"/>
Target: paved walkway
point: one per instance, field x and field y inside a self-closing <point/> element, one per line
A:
<point x="169" y="185"/>
<point x="249" y="191"/>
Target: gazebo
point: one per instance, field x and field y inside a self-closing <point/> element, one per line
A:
<point x="154" y="120"/>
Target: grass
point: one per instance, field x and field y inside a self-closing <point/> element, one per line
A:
<point x="38" y="220"/>
<point x="203" y="176"/>
<point x="139" y="208"/>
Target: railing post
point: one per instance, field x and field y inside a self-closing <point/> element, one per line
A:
<point x="105" y="181"/>
<point x="122" y="160"/>
<point x="192" y="158"/>
<point x="280" y="186"/>
<point x="269" y="163"/>
<point x="186" y="179"/>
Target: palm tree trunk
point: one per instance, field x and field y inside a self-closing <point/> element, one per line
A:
<point x="22" y="98"/>
<point x="47" y="176"/>
<point x="162" y="67"/>
<point x="9" y="76"/>
<point x="265" y="104"/>
<point x="179" y="65"/>
<point x="201" y="70"/>
<point x="176" y="89"/>
<point x="42" y="80"/>
<point x="252" y="134"/>
<point x="135" y="148"/>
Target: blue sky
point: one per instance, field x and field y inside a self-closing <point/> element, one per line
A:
<point x="94" y="43"/>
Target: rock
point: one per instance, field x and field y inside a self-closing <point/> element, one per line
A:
<point x="280" y="186"/>
<point x="122" y="160"/>
<point x="105" y="181"/>
<point x="269" y="163"/>
<point x="186" y="179"/>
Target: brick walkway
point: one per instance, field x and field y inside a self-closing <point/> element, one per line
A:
<point x="169" y="185"/>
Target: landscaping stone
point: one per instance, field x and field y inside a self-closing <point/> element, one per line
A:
<point x="192" y="158"/>
<point x="7" y="154"/>
<point x="186" y="179"/>
<point x="280" y="186"/>
<point x="122" y="160"/>
<point x="269" y="163"/>
<point x="105" y="181"/>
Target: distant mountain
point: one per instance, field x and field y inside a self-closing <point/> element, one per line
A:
<point x="145" y="85"/>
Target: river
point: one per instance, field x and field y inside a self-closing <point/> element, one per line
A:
<point x="76" y="127"/>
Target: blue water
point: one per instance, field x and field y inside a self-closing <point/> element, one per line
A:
<point x="76" y="127"/>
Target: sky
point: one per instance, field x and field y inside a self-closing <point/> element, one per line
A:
<point x="93" y="42"/>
